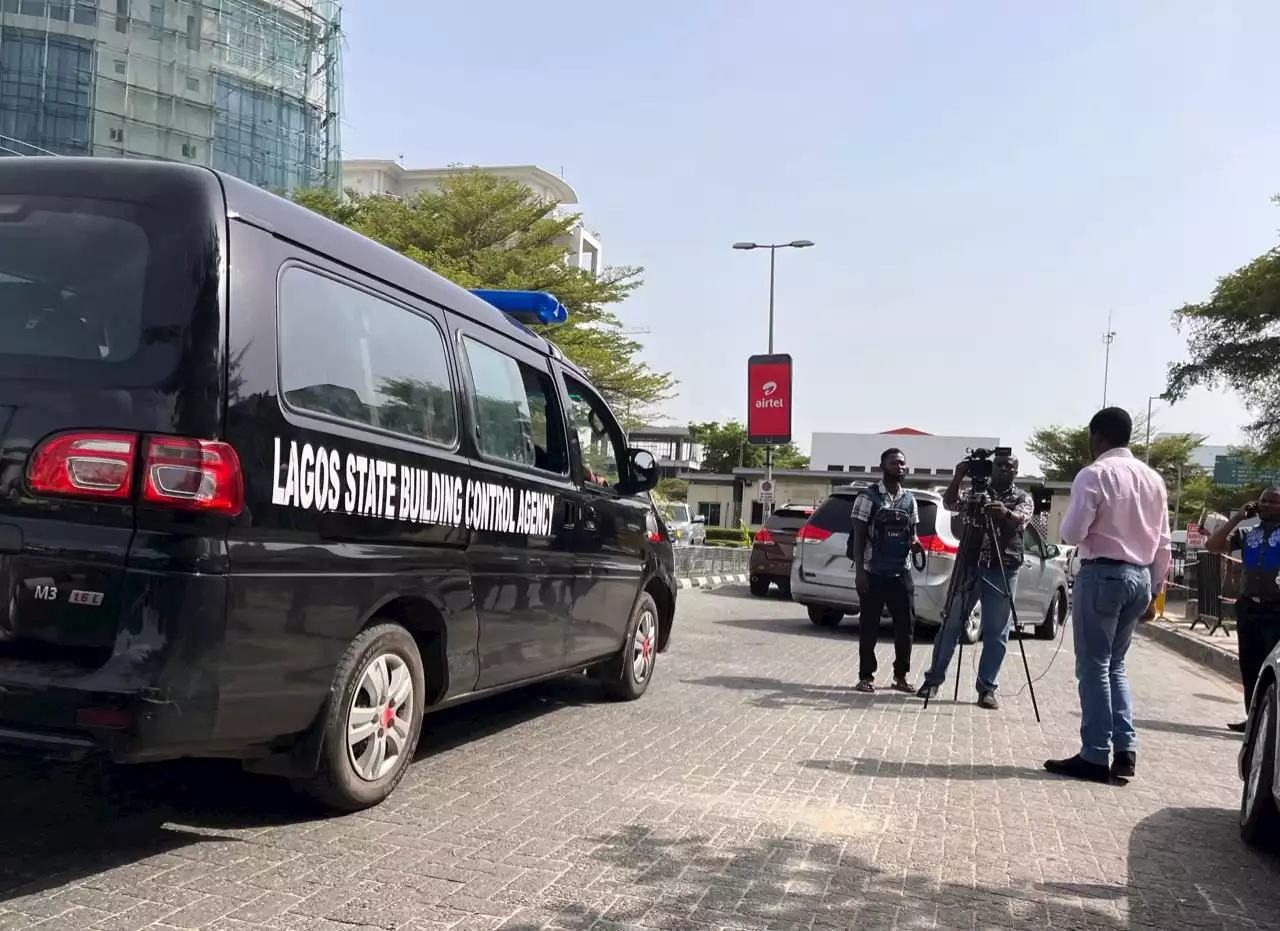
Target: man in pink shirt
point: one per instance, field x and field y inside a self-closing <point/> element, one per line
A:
<point x="1119" y="517"/>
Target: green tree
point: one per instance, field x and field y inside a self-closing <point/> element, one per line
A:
<point x="484" y="231"/>
<point x="1233" y="339"/>
<point x="1064" y="451"/>
<point x="725" y="448"/>
<point x="672" y="489"/>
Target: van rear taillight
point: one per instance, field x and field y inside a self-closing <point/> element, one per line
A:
<point x="811" y="533"/>
<point x="201" y="475"/>
<point x="935" y="544"/>
<point x="95" y="465"/>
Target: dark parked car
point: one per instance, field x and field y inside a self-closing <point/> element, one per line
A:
<point x="771" y="551"/>
<point x="280" y="507"/>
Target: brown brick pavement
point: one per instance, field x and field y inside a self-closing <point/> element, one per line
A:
<point x="751" y="789"/>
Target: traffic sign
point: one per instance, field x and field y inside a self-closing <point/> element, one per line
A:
<point x="1195" y="537"/>
<point x="766" y="491"/>
<point x="1233" y="472"/>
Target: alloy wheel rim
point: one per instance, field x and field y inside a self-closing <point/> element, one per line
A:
<point x="380" y="718"/>
<point x="974" y="624"/>
<point x="1256" y="753"/>
<point x="642" y="646"/>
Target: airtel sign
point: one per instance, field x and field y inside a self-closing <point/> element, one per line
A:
<point x="769" y="400"/>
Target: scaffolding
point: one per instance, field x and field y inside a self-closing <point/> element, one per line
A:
<point x="251" y="87"/>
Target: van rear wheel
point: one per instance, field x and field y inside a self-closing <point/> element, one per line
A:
<point x="825" y="617"/>
<point x="373" y="722"/>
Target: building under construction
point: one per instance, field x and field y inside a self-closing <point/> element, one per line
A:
<point x="250" y="87"/>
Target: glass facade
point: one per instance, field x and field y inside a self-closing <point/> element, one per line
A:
<point x="46" y="93"/>
<point x="266" y="138"/>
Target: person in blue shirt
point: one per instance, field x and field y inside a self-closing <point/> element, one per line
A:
<point x="1258" y="605"/>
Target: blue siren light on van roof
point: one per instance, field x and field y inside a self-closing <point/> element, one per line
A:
<point x="526" y="306"/>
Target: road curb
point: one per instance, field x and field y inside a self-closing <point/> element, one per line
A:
<point x="711" y="581"/>
<point x="1194" y="648"/>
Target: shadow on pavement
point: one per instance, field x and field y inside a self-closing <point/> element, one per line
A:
<point x="782" y="694"/>
<point x="63" y="822"/>
<point x="1186" y="730"/>
<point x="1185" y="869"/>
<point x="906" y="770"/>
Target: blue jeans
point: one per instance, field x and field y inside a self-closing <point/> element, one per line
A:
<point x="1109" y="599"/>
<point x="987" y="586"/>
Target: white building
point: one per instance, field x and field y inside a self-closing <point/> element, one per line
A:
<point x="381" y="176"/>
<point x="926" y="454"/>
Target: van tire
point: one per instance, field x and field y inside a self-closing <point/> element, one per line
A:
<point x="337" y="783"/>
<point x="620" y="675"/>
<point x="759" y="587"/>
<point x="824" y="617"/>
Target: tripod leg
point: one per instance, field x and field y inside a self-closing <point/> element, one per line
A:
<point x="955" y="696"/>
<point x="1031" y="686"/>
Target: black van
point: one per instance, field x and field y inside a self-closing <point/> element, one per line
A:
<point x="270" y="491"/>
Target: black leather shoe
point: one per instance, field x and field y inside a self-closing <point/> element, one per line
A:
<point x="1078" y="768"/>
<point x="1125" y="765"/>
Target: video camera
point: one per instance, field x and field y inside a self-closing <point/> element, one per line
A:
<point x="979" y="466"/>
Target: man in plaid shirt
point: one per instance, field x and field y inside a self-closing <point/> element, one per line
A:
<point x="985" y="580"/>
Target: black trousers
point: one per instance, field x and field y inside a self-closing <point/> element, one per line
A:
<point x="898" y="594"/>
<point x="1257" y="633"/>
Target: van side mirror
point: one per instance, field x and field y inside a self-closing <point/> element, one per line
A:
<point x="699" y="519"/>
<point x="644" y="470"/>
<point x="1053" y="552"/>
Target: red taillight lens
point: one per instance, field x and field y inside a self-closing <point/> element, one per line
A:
<point x="655" y="537"/>
<point x="812" y="533"/>
<point x="202" y="475"/>
<point x="935" y="544"/>
<point x="96" y="465"/>
<point x="763" y="535"/>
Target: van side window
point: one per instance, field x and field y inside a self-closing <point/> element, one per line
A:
<point x="517" y="416"/>
<point x="348" y="354"/>
<point x="599" y="437"/>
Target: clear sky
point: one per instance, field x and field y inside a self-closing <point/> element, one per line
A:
<point x="984" y="181"/>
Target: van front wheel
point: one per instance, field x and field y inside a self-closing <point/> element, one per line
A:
<point x="373" y="722"/>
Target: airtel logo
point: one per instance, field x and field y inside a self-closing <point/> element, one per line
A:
<point x="769" y="388"/>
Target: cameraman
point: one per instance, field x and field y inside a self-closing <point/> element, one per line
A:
<point x="986" y="577"/>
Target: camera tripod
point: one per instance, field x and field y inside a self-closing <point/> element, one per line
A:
<point x="978" y="527"/>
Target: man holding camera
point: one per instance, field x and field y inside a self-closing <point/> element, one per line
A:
<point x="989" y="579"/>
<point x="1258" y="607"/>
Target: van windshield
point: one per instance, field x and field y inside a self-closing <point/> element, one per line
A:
<point x="680" y="513"/>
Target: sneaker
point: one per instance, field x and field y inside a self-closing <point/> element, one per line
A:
<point x="1125" y="765"/>
<point x="864" y="685"/>
<point x="988" y="700"/>
<point x="927" y="691"/>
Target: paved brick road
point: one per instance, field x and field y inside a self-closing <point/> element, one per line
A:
<point x="751" y="789"/>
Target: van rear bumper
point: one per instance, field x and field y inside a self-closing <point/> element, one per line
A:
<point x="157" y="697"/>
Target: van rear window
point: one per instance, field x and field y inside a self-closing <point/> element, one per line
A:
<point x="73" y="276"/>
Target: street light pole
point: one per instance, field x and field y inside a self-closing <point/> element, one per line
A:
<point x="1108" y="338"/>
<point x="773" y="254"/>
<point x="1149" y="400"/>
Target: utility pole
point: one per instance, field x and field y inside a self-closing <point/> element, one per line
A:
<point x="1177" y="499"/>
<point x="1108" y="338"/>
